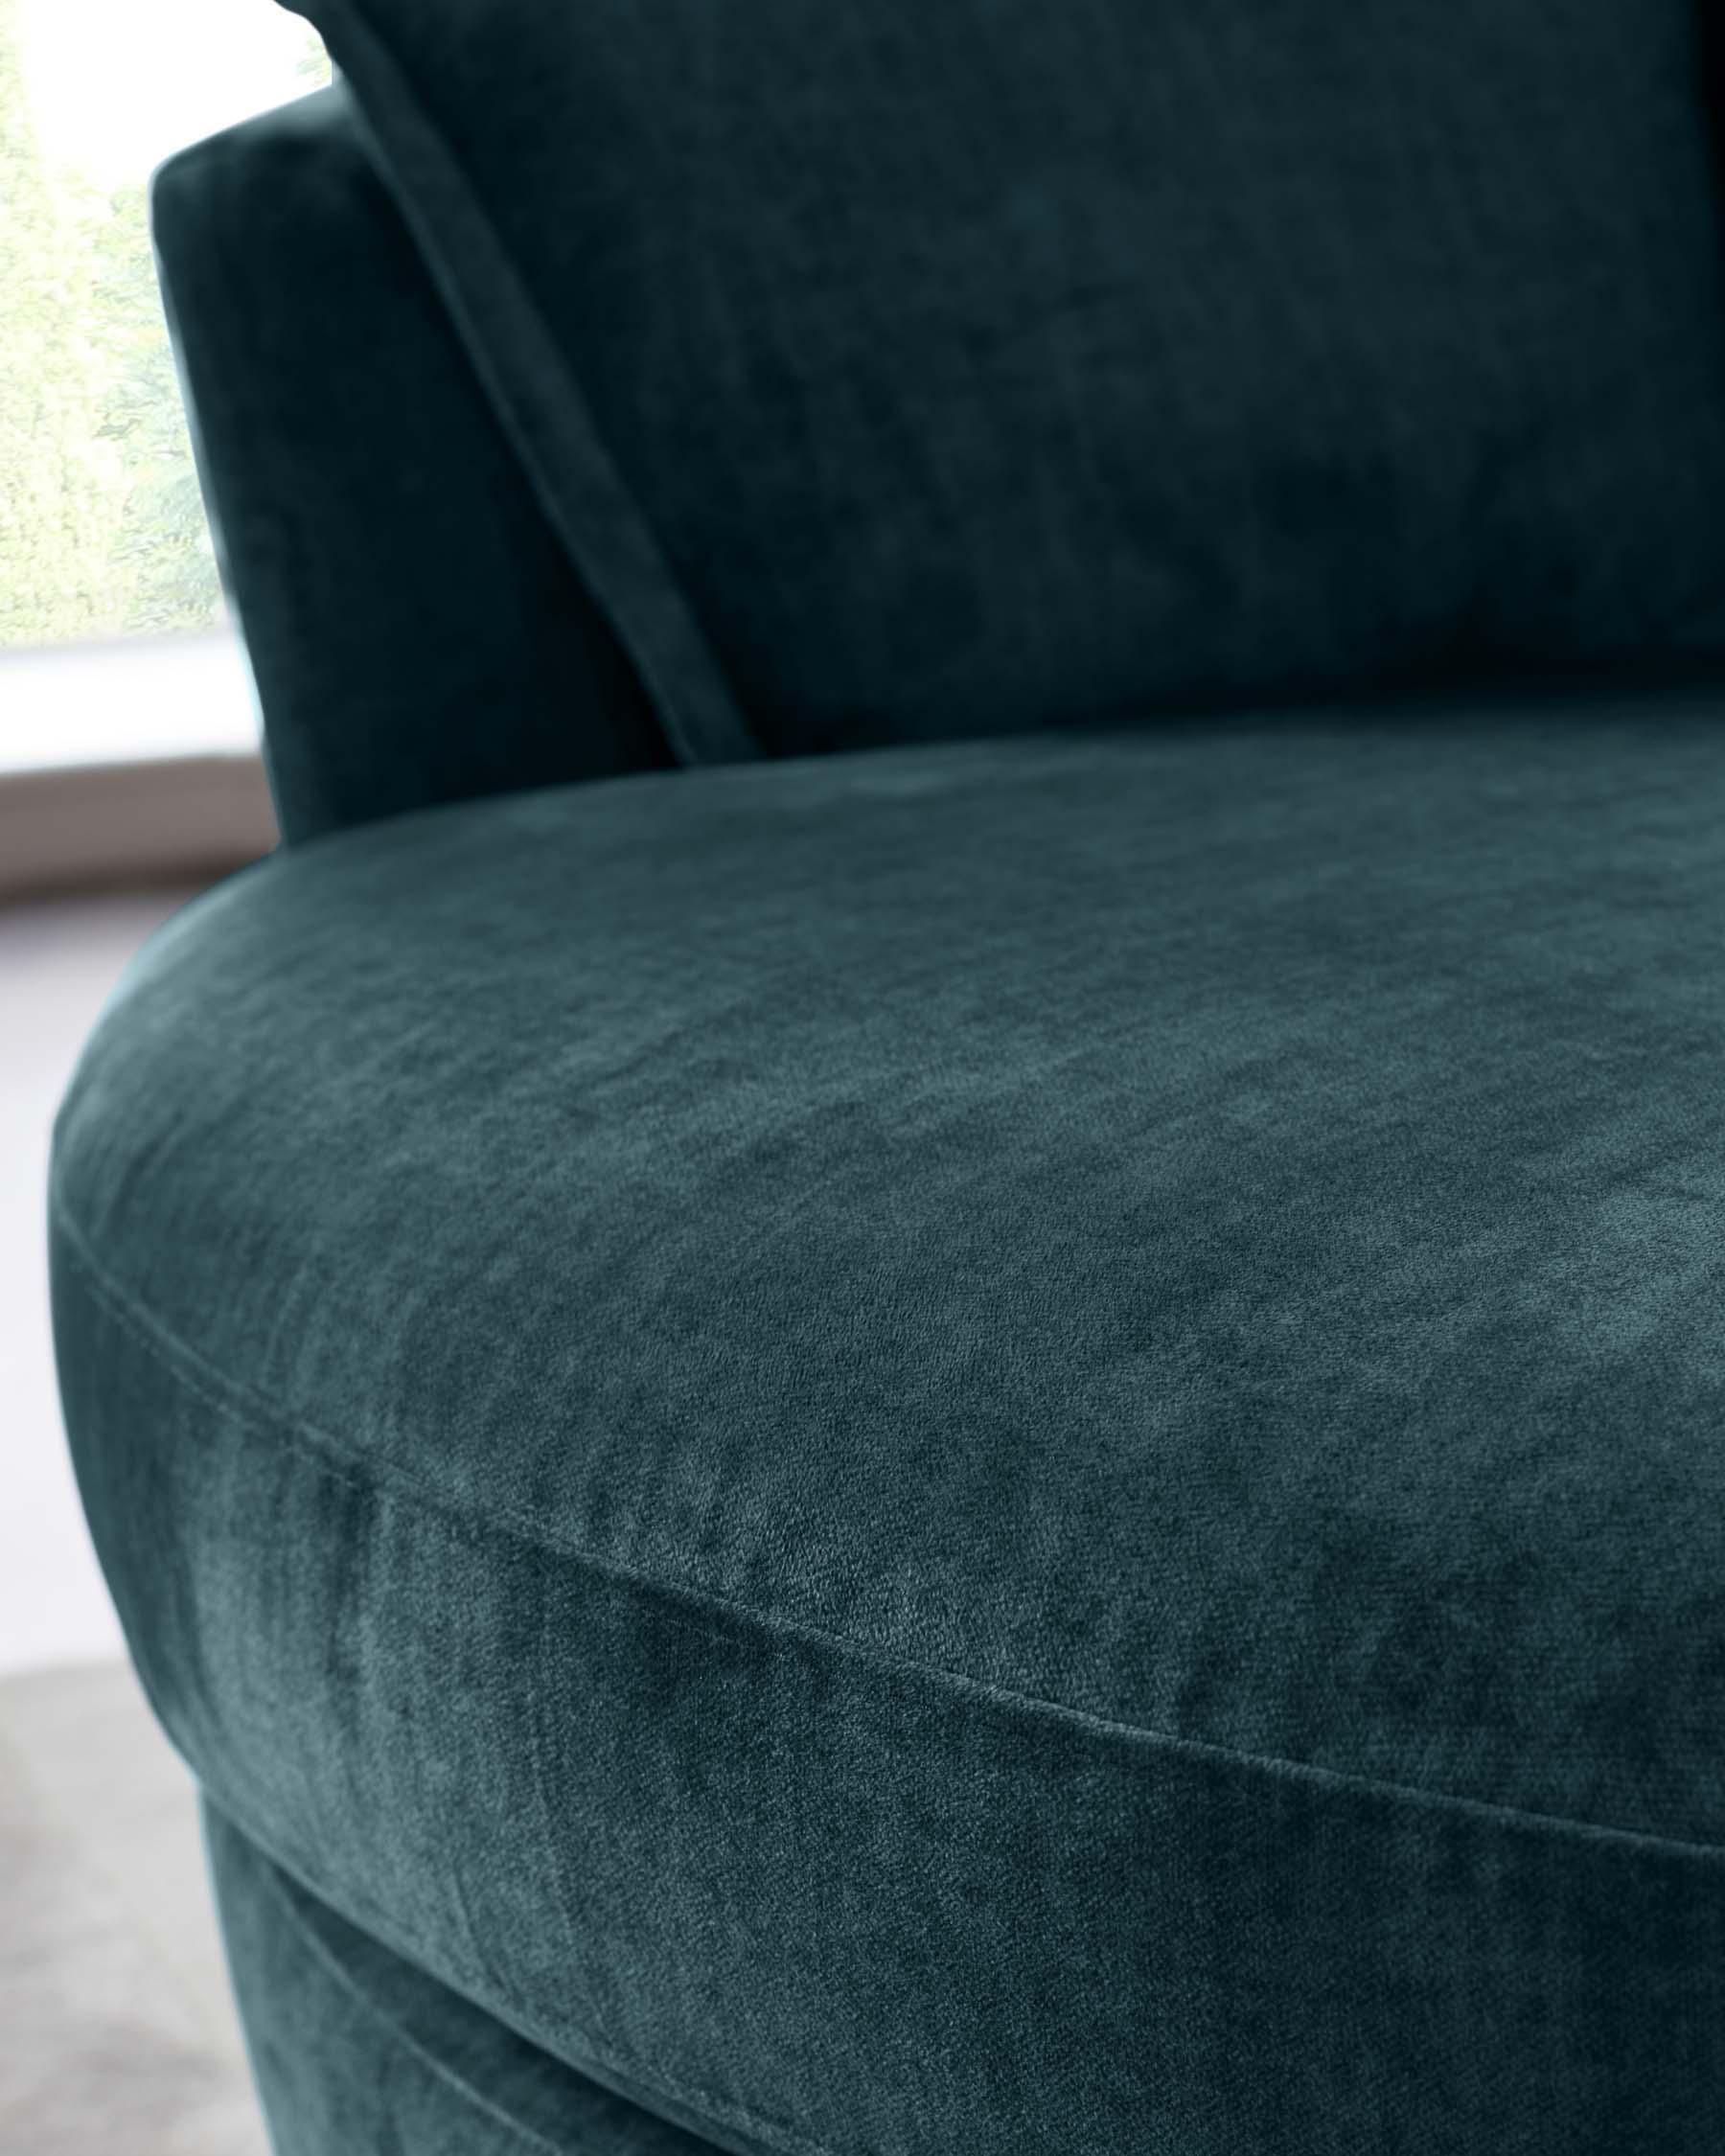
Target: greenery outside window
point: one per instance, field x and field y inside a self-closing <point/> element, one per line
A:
<point x="102" y="531"/>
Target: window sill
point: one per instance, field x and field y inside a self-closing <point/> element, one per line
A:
<point x="128" y="701"/>
<point x="130" y="763"/>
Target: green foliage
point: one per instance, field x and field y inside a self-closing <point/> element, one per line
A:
<point x="101" y="525"/>
<point x="61" y="484"/>
<point x="162" y="542"/>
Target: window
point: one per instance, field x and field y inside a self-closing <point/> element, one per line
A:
<point x="101" y="531"/>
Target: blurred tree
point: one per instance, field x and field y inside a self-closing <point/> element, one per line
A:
<point x="60" y="499"/>
<point x="162" y="541"/>
<point x="314" y="62"/>
<point x="101" y="525"/>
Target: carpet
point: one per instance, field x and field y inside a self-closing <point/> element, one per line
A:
<point x="119" y="2037"/>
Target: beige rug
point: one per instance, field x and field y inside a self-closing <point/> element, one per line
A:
<point x="117" y="2037"/>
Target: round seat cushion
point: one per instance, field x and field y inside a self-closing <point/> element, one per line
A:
<point x="1001" y="1447"/>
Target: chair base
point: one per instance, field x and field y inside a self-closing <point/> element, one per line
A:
<point x="354" y="2050"/>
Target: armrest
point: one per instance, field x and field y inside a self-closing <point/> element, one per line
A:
<point x="416" y="633"/>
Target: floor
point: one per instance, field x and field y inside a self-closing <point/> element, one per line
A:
<point x="118" y="2037"/>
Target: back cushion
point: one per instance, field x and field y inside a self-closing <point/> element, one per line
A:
<point x="904" y="368"/>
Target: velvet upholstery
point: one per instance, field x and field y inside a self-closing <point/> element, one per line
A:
<point x="415" y="631"/>
<point x="895" y="372"/>
<point x="1006" y="1447"/>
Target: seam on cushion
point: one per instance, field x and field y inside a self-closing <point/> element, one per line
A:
<point x="228" y="1395"/>
<point x="276" y="1878"/>
<point x="603" y="529"/>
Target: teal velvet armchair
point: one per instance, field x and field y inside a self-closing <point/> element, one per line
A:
<point x="914" y="1348"/>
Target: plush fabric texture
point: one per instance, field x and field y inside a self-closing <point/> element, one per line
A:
<point x="416" y="633"/>
<point x="999" y="1447"/>
<point x="902" y="371"/>
<point x="354" y="2050"/>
